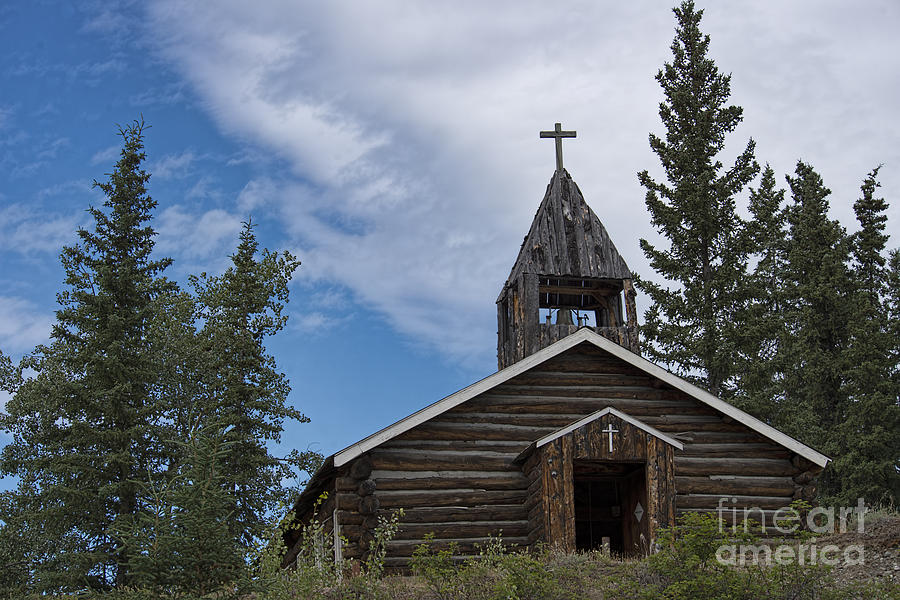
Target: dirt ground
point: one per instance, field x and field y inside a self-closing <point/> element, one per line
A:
<point x="880" y="543"/>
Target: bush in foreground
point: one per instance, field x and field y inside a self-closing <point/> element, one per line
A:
<point x="684" y="568"/>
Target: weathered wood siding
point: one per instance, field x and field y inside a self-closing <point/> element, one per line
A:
<point x="553" y="465"/>
<point x="632" y="444"/>
<point x="567" y="238"/>
<point x="514" y="345"/>
<point x="557" y="480"/>
<point x="454" y="475"/>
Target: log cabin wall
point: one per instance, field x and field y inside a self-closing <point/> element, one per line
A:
<point x="455" y="476"/>
<point x="322" y="511"/>
<point x="535" y="506"/>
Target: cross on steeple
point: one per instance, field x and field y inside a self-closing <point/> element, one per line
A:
<point x="558" y="134"/>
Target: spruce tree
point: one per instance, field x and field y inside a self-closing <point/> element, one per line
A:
<point x="247" y="395"/>
<point x="692" y="326"/>
<point x="892" y="302"/>
<point x="892" y="307"/>
<point x="868" y="464"/>
<point x="818" y="295"/>
<point x="758" y="380"/>
<point x="181" y="542"/>
<point x="84" y="427"/>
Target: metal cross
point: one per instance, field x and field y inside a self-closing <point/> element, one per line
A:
<point x="558" y="134"/>
<point x="609" y="429"/>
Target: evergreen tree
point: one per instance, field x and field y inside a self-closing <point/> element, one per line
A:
<point x="818" y="298"/>
<point x="246" y="393"/>
<point x="181" y="542"/>
<point x="892" y="303"/>
<point x="758" y="385"/>
<point x="693" y="326"/>
<point x="892" y="307"/>
<point x="84" y="426"/>
<point x="868" y="464"/>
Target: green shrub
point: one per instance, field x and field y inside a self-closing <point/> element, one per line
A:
<point x="687" y="568"/>
<point x="314" y="575"/>
<point x="436" y="567"/>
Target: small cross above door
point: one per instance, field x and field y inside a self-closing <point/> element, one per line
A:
<point x="609" y="429"/>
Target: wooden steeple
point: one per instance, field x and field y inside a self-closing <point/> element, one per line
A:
<point x="568" y="275"/>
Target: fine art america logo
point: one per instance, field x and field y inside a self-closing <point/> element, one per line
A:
<point x="789" y="521"/>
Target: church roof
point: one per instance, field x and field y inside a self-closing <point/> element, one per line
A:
<point x="585" y="334"/>
<point x="567" y="239"/>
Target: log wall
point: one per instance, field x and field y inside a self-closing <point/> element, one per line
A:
<point x="454" y="475"/>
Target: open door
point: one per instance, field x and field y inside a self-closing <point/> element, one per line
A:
<point x="610" y="500"/>
<point x="606" y="479"/>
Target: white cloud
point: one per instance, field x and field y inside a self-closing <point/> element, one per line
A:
<point x="107" y="155"/>
<point x="412" y="128"/>
<point x="319" y="322"/>
<point x="166" y="95"/>
<point x="5" y="113"/>
<point x="107" y="19"/>
<point x="22" y="325"/>
<point x="173" y="166"/>
<point x="257" y="193"/>
<point x="203" y="189"/>
<point x="196" y="236"/>
<point x="27" y="230"/>
<point x="50" y="149"/>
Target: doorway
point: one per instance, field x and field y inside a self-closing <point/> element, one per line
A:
<point x="610" y="499"/>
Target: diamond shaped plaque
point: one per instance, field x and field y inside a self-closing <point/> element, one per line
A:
<point x="638" y="512"/>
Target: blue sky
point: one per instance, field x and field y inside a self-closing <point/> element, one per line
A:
<point x="393" y="146"/>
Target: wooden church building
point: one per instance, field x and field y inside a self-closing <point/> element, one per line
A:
<point x="576" y="441"/>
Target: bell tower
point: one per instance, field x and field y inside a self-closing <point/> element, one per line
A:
<point x="568" y="275"/>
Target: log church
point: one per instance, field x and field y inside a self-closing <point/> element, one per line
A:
<point x="575" y="442"/>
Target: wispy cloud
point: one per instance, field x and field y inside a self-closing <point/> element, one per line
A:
<point x="106" y="156"/>
<point x="88" y="73"/>
<point x="318" y="323"/>
<point x="6" y="113"/>
<point x="205" y="188"/>
<point x="257" y="193"/>
<point x="197" y="236"/>
<point x="324" y="309"/>
<point x="165" y="95"/>
<point x="173" y="166"/>
<point x="52" y="148"/>
<point x="108" y="20"/>
<point x="117" y="20"/>
<point x="27" y="230"/>
<point x="411" y="133"/>
<point x="22" y="325"/>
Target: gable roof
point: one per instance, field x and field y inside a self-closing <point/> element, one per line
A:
<point x="585" y="334"/>
<point x="567" y="238"/>
<point x="609" y="410"/>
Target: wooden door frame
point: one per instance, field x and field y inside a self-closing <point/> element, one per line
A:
<point x="555" y="458"/>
